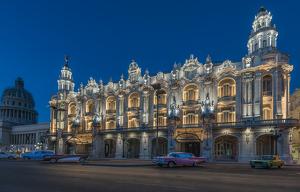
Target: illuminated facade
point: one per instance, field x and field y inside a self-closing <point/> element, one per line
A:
<point x="295" y="113"/>
<point x="223" y="111"/>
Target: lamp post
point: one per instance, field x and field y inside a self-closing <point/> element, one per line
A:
<point x="276" y="134"/>
<point x="56" y="109"/>
<point x="123" y="137"/>
<point x="157" y="87"/>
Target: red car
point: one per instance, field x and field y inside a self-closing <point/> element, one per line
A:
<point x="57" y="157"/>
<point x="179" y="158"/>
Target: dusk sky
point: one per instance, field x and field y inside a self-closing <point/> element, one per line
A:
<point x="103" y="37"/>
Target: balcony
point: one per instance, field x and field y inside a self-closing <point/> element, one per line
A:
<point x="110" y="111"/>
<point x="133" y="129"/>
<point x="190" y="102"/>
<point x="160" y="106"/>
<point x="258" y="123"/>
<point x="133" y="109"/>
<point x="226" y="99"/>
<point x="71" y="115"/>
<point x="267" y="93"/>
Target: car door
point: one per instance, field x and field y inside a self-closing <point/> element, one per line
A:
<point x="35" y="155"/>
<point x="275" y="161"/>
<point x="2" y="155"/>
<point x="42" y="153"/>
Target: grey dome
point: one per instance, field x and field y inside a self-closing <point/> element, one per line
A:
<point x="18" y="92"/>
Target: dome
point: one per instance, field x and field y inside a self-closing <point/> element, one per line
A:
<point x="18" y="92"/>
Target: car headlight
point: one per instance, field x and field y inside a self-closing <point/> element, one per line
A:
<point x="252" y="162"/>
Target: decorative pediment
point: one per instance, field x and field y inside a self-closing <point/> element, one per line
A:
<point x="91" y="87"/>
<point x="160" y="76"/>
<point x="190" y="68"/>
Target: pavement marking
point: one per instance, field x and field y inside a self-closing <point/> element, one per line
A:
<point x="170" y="186"/>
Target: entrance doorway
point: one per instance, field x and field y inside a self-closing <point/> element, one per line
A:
<point x="226" y="148"/>
<point x="162" y="147"/>
<point x="265" y="145"/>
<point x="133" y="148"/>
<point x="109" y="148"/>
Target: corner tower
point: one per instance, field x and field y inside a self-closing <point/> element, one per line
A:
<point x="65" y="81"/>
<point x="263" y="36"/>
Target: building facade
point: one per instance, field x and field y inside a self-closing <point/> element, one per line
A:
<point x="18" y="118"/>
<point x="221" y="110"/>
<point x="295" y="113"/>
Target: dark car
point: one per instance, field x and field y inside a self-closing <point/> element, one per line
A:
<point x="57" y="157"/>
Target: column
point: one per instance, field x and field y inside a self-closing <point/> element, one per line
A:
<point x="287" y="147"/>
<point x="257" y="94"/>
<point x="279" y="94"/>
<point x="250" y="98"/>
<point x="288" y="79"/>
<point x="151" y="108"/>
<point x="244" y="98"/>
<point x="274" y="93"/>
<point x="125" y="111"/>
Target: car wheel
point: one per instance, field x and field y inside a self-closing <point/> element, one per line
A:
<point x="280" y="166"/>
<point x="82" y="160"/>
<point x="53" y="160"/>
<point x="270" y="166"/>
<point x="252" y="166"/>
<point x="10" y="157"/>
<point x="195" y="164"/>
<point x="171" y="164"/>
<point x="26" y="158"/>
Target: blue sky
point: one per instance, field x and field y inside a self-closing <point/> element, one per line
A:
<point x="103" y="37"/>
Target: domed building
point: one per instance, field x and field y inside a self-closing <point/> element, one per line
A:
<point x="19" y="130"/>
<point x="18" y="105"/>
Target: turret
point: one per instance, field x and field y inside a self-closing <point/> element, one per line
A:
<point x="263" y="36"/>
<point x="65" y="81"/>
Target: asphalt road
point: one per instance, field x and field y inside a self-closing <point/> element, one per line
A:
<point x="25" y="176"/>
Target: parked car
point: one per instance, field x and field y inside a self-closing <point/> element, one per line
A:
<point x="57" y="157"/>
<point x="179" y="158"/>
<point x="268" y="161"/>
<point x="37" y="154"/>
<point x="6" y="155"/>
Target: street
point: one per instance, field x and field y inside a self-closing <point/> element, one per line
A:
<point x="125" y="175"/>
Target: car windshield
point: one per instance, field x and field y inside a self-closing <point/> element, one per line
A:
<point x="172" y="155"/>
<point x="264" y="158"/>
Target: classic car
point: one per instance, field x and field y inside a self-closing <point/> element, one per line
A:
<point x="37" y="154"/>
<point x="6" y="155"/>
<point x="179" y="158"/>
<point x="268" y="161"/>
<point x="55" y="158"/>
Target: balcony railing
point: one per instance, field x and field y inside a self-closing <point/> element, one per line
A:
<point x="190" y="102"/>
<point x="110" y="111"/>
<point x="133" y="108"/>
<point x="258" y="123"/>
<point x="226" y="98"/>
<point x="267" y="93"/>
<point x="160" y="105"/>
<point x="132" y="129"/>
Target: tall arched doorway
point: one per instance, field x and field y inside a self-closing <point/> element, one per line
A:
<point x="189" y="143"/>
<point x="162" y="147"/>
<point x="109" y="148"/>
<point x="265" y="145"/>
<point x="132" y="148"/>
<point x="226" y="148"/>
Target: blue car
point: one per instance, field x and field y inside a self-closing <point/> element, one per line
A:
<point x="36" y="154"/>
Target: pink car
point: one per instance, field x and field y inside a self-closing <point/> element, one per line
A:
<point x="179" y="158"/>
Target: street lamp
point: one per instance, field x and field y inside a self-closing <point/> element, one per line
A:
<point x="123" y="137"/>
<point x="156" y="87"/>
<point x="56" y="109"/>
<point x="276" y="134"/>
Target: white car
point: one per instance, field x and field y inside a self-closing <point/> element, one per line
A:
<point x="6" y="155"/>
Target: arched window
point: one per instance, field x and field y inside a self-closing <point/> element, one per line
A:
<point x="267" y="85"/>
<point x="264" y="43"/>
<point x="90" y="105"/>
<point x="134" y="100"/>
<point x="162" y="97"/>
<point x="72" y="108"/>
<point x="111" y="103"/>
<point x="190" y="92"/>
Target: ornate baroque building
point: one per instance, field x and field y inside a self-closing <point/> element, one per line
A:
<point x="295" y="113"/>
<point x="223" y="111"/>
